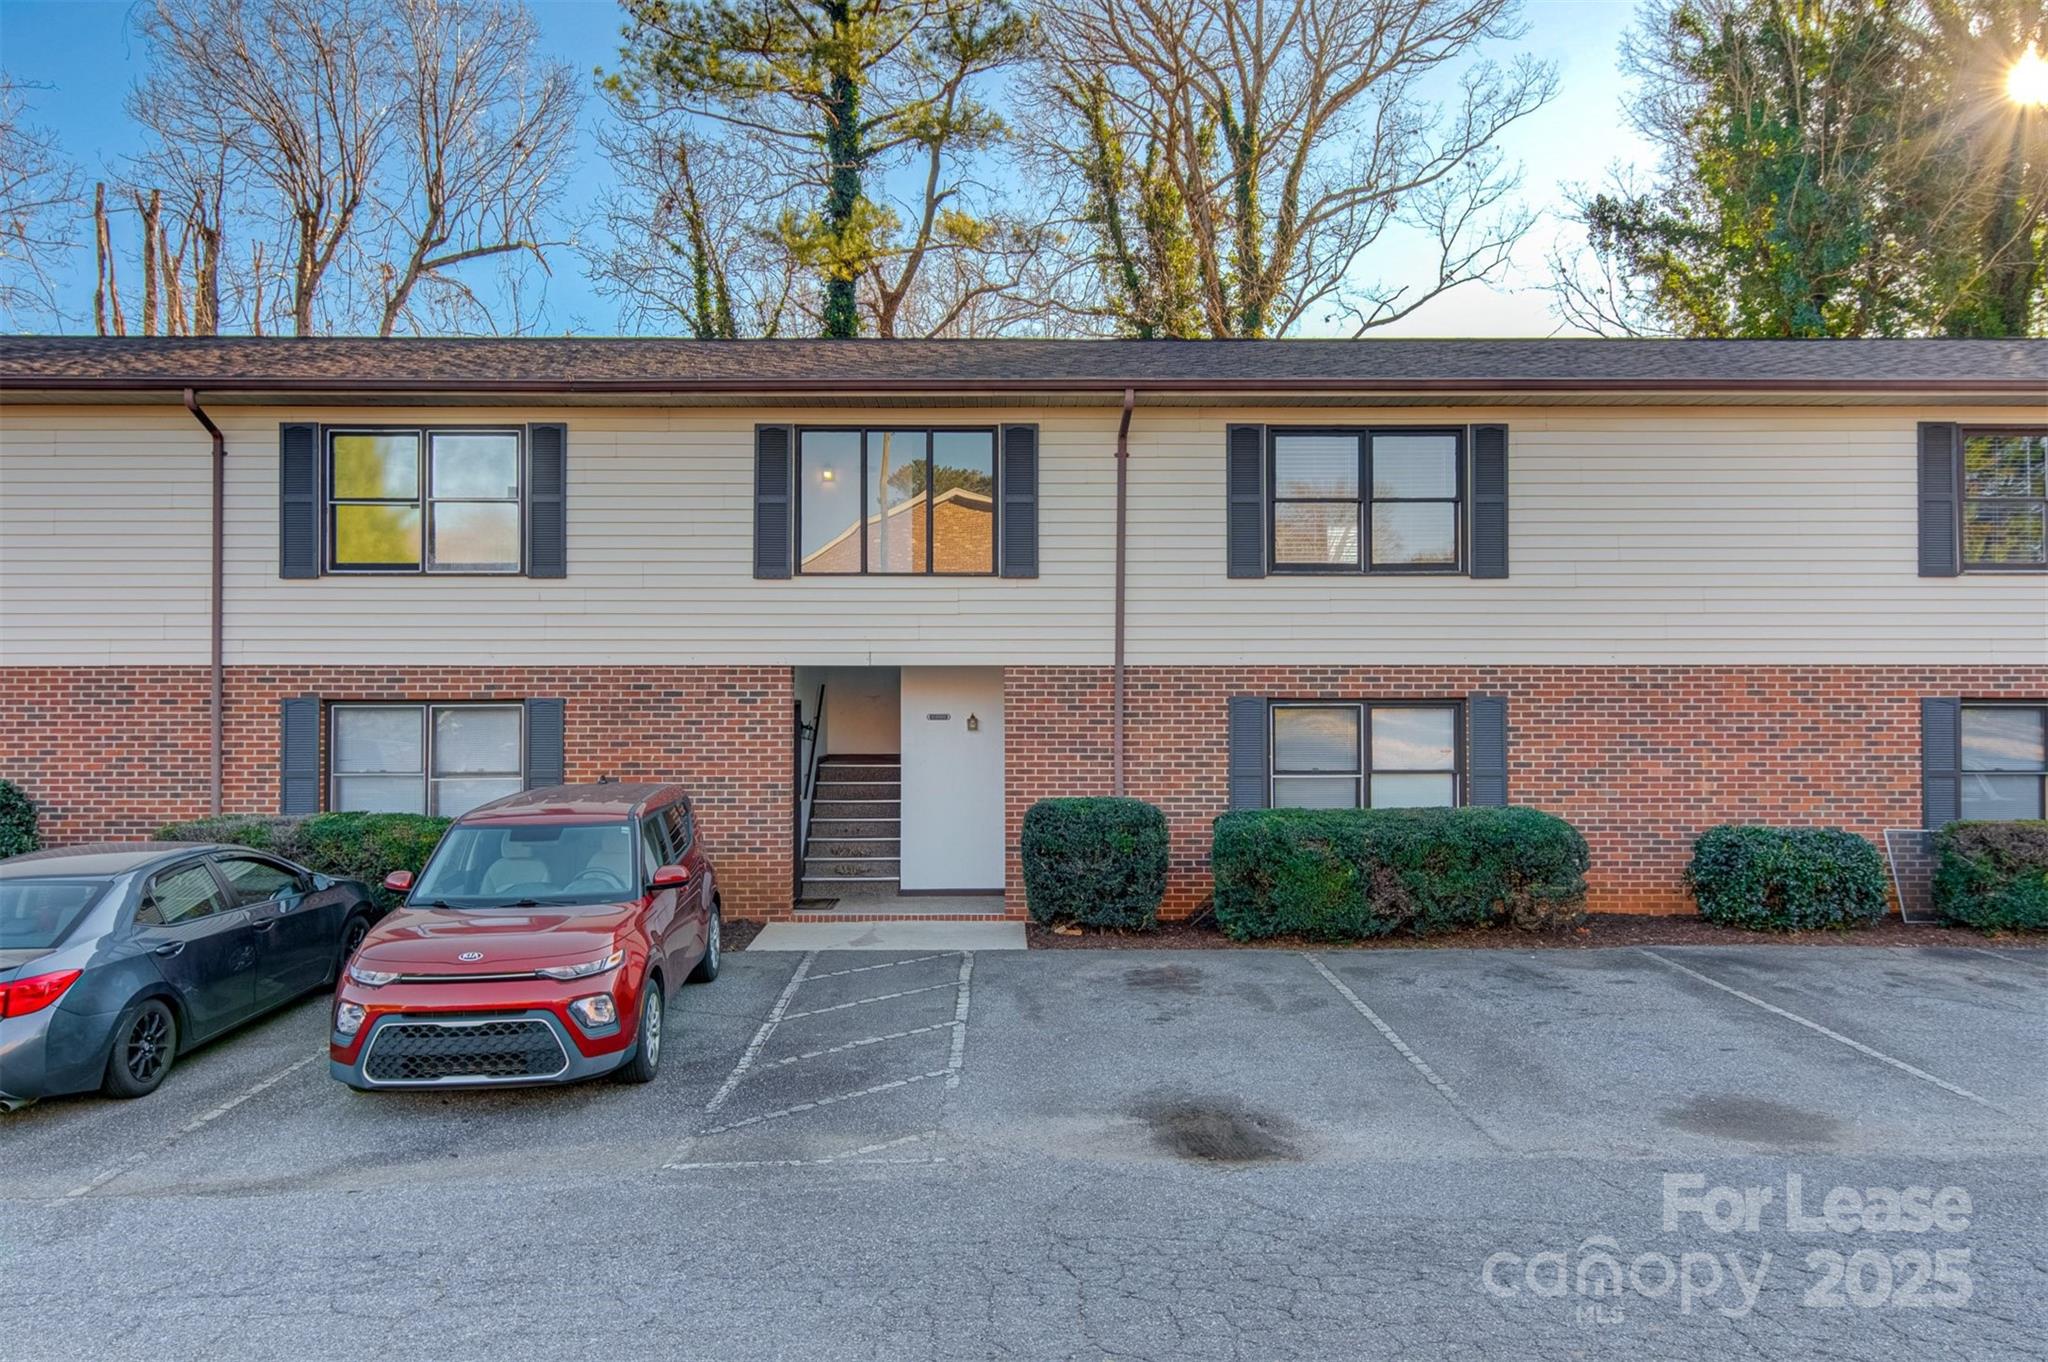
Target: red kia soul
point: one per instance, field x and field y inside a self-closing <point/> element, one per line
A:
<point x="539" y="945"/>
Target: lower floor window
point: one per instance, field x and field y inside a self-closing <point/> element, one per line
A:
<point x="1382" y="756"/>
<point x="2005" y="761"/>
<point x="439" y="759"/>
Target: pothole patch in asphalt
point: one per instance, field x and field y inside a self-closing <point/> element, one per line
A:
<point x="1753" y="1120"/>
<point x="1217" y="1130"/>
<point x="1164" y="978"/>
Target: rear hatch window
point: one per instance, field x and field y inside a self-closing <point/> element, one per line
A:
<point x="38" y="914"/>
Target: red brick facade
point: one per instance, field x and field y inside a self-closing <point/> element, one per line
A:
<point x="1640" y="759"/>
<point x="118" y="752"/>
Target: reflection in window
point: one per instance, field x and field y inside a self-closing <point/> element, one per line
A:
<point x="896" y="501"/>
<point x="2005" y="761"/>
<point x="442" y="759"/>
<point x="1336" y="494"/>
<point x="2005" y="498"/>
<point x="460" y="513"/>
<point x="1379" y="756"/>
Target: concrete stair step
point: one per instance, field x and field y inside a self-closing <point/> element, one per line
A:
<point x="854" y="848"/>
<point x="849" y="867"/>
<point x="825" y="829"/>
<point x="857" y="789"/>
<point x="822" y="809"/>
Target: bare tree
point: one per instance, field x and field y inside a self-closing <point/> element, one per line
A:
<point x="484" y="132"/>
<point x="39" y="204"/>
<point x="1273" y="143"/>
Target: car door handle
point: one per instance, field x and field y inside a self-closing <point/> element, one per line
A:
<point x="169" y="948"/>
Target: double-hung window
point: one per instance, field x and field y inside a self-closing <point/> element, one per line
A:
<point x="1367" y="500"/>
<point x="1372" y="755"/>
<point x="424" y="500"/>
<point x="894" y="501"/>
<point x="2005" y="761"/>
<point x="2005" y="498"/>
<point x="439" y="759"/>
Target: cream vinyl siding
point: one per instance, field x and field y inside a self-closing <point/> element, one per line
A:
<point x="1638" y="535"/>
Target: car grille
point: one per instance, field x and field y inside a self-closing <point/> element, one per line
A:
<point x="451" y="1052"/>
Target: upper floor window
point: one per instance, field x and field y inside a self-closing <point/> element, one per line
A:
<point x="424" y="500"/>
<point x="896" y="501"/>
<point x="1348" y="756"/>
<point x="439" y="759"/>
<point x="1367" y="500"/>
<point x="2005" y="761"/>
<point x="2005" y="498"/>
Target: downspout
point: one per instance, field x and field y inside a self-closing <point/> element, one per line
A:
<point x="1123" y="482"/>
<point x="218" y="669"/>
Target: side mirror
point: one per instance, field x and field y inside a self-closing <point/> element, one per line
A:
<point x="399" y="881"/>
<point x="670" y="877"/>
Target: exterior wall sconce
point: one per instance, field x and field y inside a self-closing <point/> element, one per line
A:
<point x="973" y="724"/>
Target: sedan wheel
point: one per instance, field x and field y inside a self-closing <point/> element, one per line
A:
<point x="646" y="1058"/>
<point x="145" y="1046"/>
<point x="707" y="967"/>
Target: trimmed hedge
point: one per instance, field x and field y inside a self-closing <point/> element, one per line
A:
<point x="1993" y="875"/>
<point x="1787" y="879"/>
<point x="354" y="846"/>
<point x="1347" y="874"/>
<point x="18" y="834"/>
<point x="1099" y="862"/>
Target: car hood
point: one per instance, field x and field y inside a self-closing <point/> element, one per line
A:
<point x="414" y="940"/>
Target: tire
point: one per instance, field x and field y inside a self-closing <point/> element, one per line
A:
<point x="352" y="933"/>
<point x="646" y="1060"/>
<point x="714" y="951"/>
<point x="145" y="1047"/>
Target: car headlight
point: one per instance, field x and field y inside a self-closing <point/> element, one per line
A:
<point x="348" y="1019"/>
<point x="584" y="970"/>
<point x="370" y="978"/>
<point x="595" y="1012"/>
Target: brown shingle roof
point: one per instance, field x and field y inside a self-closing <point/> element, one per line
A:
<point x="555" y="364"/>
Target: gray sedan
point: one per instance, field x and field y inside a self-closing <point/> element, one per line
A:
<point x="116" y="959"/>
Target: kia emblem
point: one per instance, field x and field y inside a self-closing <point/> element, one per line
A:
<point x="468" y="956"/>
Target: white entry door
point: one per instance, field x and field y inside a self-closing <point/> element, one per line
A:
<point x="952" y="778"/>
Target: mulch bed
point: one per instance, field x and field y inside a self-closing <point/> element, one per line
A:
<point x="738" y="933"/>
<point x="1601" y="930"/>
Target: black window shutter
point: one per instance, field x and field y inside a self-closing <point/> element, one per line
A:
<point x="1248" y="764"/>
<point x="1020" y="501"/>
<point x="1941" y="451"/>
<point x="1486" y="755"/>
<point x="774" y="482"/>
<point x="1246" y="478"/>
<point x="547" y="500"/>
<point x="1489" y="501"/>
<point x="1941" y="762"/>
<point x="298" y="755"/>
<point x="298" y="500"/>
<point x="544" y="729"/>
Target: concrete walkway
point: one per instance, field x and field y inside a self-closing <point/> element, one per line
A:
<point x="889" y="936"/>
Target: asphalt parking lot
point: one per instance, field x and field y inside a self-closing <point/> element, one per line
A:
<point x="1414" y="1154"/>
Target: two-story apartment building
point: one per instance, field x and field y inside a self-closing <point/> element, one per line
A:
<point x="1649" y="586"/>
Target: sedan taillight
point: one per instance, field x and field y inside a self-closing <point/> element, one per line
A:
<point x="35" y="993"/>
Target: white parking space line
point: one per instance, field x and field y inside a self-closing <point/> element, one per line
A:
<point x="814" y="1104"/>
<point x="1836" y="1036"/>
<point x="767" y="1029"/>
<point x="137" y="1159"/>
<point x="886" y="964"/>
<point x="1387" y="1033"/>
<point x="862" y="1155"/>
<point x="857" y="1044"/>
<point x="863" y="1002"/>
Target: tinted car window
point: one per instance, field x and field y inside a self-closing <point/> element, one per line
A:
<point x="653" y="847"/>
<point x="35" y="914"/>
<point x="181" y="895"/>
<point x="676" y="818"/>
<point x="254" y="881"/>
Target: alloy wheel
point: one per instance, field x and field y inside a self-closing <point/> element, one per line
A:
<point x="146" y="1050"/>
<point x="711" y="944"/>
<point x="650" y="1030"/>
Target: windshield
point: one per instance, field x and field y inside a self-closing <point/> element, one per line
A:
<point x="529" y="865"/>
<point x="36" y="914"/>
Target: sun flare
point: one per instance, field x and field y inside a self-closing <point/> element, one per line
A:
<point x="2027" y="82"/>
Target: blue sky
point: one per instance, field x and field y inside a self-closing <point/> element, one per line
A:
<point x="84" y="53"/>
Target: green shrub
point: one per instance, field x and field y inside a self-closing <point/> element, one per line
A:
<point x="1347" y="874"/>
<point x="1993" y="875"/>
<point x="356" y="846"/>
<point x="1098" y="862"/>
<point x="18" y="834"/>
<point x="1787" y="879"/>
